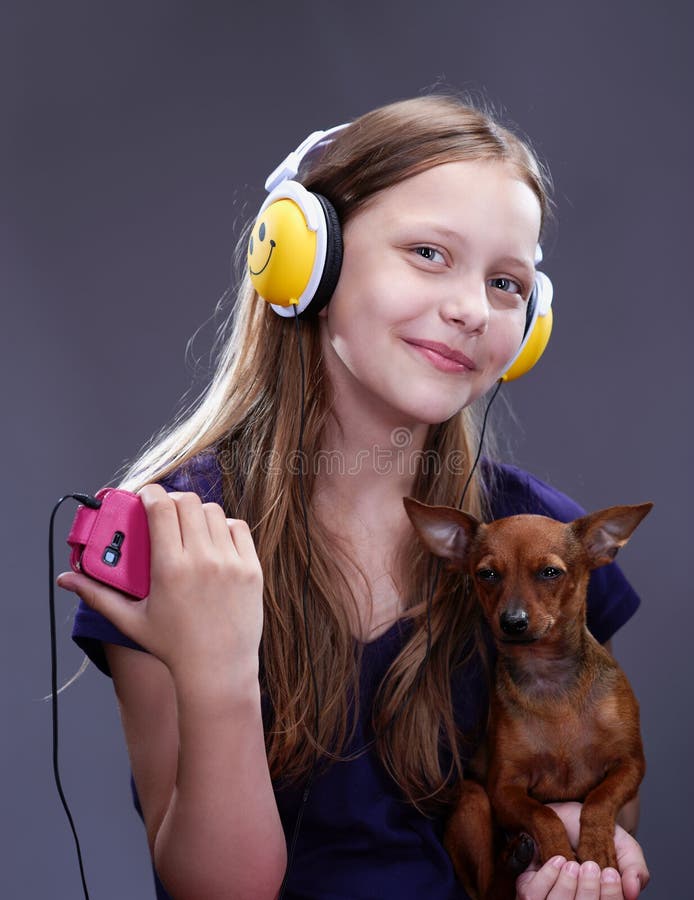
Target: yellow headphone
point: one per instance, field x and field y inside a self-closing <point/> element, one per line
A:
<point x="538" y="325"/>
<point x="295" y="255"/>
<point x="295" y="248"/>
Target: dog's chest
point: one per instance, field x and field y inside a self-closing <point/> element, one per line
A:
<point x="564" y="752"/>
<point x="566" y="761"/>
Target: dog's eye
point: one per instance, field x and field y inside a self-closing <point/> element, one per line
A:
<point x="550" y="572"/>
<point x="488" y="575"/>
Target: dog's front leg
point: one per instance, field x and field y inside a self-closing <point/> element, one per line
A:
<point x="468" y="839"/>
<point x="515" y="810"/>
<point x="600" y="808"/>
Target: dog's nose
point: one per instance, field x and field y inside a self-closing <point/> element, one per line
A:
<point x="514" y="621"/>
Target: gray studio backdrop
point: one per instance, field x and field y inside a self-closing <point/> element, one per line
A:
<point x="136" y="138"/>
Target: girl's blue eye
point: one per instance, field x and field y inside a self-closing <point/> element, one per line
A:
<point x="508" y="285"/>
<point x="429" y="253"/>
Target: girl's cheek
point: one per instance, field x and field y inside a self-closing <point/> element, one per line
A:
<point x="501" y="341"/>
<point x="510" y="337"/>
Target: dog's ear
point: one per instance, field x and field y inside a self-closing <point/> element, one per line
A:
<point x="444" y="530"/>
<point x="603" y="533"/>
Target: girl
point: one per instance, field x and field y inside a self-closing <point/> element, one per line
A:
<point x="327" y="724"/>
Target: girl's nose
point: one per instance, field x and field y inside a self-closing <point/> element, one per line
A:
<point x="468" y="307"/>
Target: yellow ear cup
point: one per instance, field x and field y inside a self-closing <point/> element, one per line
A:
<point x="281" y="253"/>
<point x="533" y="348"/>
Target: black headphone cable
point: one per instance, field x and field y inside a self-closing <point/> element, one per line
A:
<point x="93" y="503"/>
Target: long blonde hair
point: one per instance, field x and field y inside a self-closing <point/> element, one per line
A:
<point x="249" y="415"/>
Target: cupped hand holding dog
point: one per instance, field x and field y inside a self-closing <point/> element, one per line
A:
<point x="558" y="879"/>
<point x="203" y="615"/>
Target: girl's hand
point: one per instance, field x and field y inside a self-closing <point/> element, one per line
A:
<point x="204" y="610"/>
<point x="562" y="880"/>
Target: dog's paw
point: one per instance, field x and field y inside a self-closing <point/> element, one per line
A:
<point x="518" y="853"/>
<point x="600" y="852"/>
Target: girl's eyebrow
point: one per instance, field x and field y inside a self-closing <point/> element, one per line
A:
<point x="524" y="264"/>
<point x="448" y="233"/>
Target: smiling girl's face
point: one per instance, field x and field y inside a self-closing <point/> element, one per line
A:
<point x="430" y="305"/>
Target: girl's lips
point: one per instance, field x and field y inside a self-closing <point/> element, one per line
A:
<point x="442" y="356"/>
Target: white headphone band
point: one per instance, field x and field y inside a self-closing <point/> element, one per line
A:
<point x="289" y="166"/>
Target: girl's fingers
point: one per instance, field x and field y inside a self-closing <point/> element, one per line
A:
<point x="192" y="522"/>
<point x="561" y="880"/>
<point x="230" y="533"/>
<point x="537" y="885"/>
<point x="242" y="538"/>
<point x="124" y="613"/>
<point x="631" y="864"/>
<point x="634" y="880"/>
<point x="180" y="521"/>
<point x="589" y="887"/>
<point x="610" y="885"/>
<point x="164" y="529"/>
<point x="566" y="887"/>
<point x="217" y="525"/>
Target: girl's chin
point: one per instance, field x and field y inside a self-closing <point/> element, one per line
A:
<point x="432" y="413"/>
<point x="440" y="408"/>
<point x="434" y="406"/>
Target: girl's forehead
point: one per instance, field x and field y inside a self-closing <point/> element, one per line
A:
<point x="460" y="179"/>
<point x="458" y="196"/>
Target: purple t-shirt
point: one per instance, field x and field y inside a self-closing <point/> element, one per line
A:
<point x="359" y="837"/>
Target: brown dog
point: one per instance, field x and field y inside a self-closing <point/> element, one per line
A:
<point x="564" y="723"/>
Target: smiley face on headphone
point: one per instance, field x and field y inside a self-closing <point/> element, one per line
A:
<point x="295" y="250"/>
